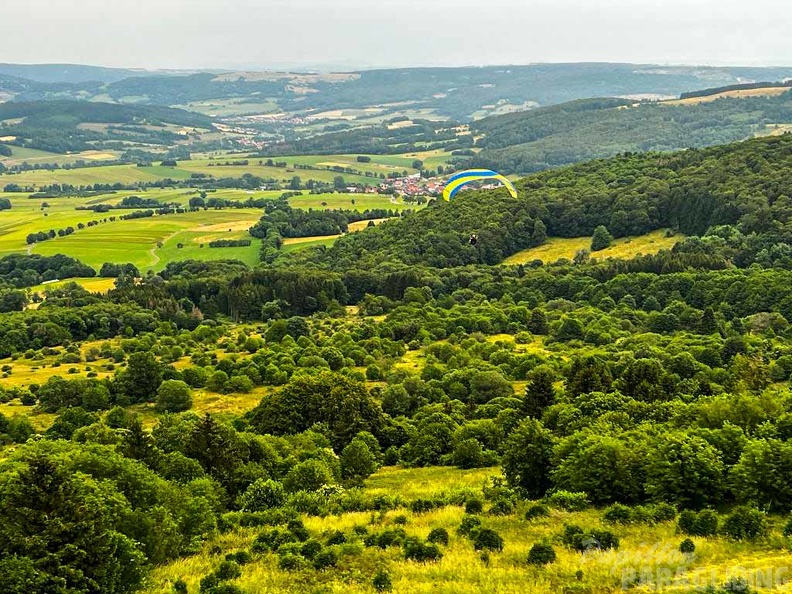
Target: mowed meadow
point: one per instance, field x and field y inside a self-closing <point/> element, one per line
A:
<point x="152" y="242"/>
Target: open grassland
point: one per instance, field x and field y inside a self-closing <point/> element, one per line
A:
<point x="648" y="550"/>
<point x="557" y="248"/>
<point x="21" y="155"/>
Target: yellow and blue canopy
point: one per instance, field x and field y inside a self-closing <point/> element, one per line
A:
<point x="465" y="177"/>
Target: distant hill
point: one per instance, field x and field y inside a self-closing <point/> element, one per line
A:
<point x="67" y="73"/>
<point x="594" y="128"/>
<point x="71" y="126"/>
<point x="456" y="93"/>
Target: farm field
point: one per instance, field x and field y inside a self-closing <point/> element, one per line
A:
<point x="153" y="242"/>
<point x="625" y="247"/>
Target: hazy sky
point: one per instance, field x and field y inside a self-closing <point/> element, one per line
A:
<point x="345" y="33"/>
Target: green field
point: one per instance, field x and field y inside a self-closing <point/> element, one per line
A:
<point x="138" y="240"/>
<point x="557" y="248"/>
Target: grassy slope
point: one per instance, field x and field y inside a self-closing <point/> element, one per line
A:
<point x="461" y="570"/>
<point x="625" y="247"/>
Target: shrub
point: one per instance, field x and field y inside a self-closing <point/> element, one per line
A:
<point x="687" y="546"/>
<point x="271" y="539"/>
<point x="262" y="495"/>
<point x="336" y="537"/>
<point x="745" y="523"/>
<point x="240" y="557"/>
<point x="663" y="512"/>
<point x="438" y="536"/>
<point x="568" y="501"/>
<point x="486" y="539"/>
<point x="468" y="524"/>
<point x="290" y="562"/>
<point x="474" y="506"/>
<point x="417" y="550"/>
<point x="174" y="396"/>
<point x="324" y="559"/>
<point x="386" y="538"/>
<point x="703" y="523"/>
<point x="502" y="507"/>
<point x="581" y="540"/>
<point x="401" y="519"/>
<point x="310" y="548"/>
<point x="228" y="570"/>
<point x="180" y="586"/>
<point x="382" y="582"/>
<point x="541" y="554"/>
<point x="788" y="528"/>
<point x="536" y="511"/>
<point x="618" y="514"/>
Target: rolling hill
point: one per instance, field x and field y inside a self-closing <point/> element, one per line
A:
<point x="595" y="128"/>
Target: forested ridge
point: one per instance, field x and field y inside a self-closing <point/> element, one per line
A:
<point x="648" y="396"/>
<point x="594" y="128"/>
<point x="745" y="185"/>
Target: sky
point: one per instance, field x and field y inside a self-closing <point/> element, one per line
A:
<point x="261" y="34"/>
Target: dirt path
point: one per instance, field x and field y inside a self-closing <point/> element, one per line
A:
<point x="153" y="251"/>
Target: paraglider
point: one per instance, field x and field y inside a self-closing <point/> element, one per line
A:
<point x="458" y="180"/>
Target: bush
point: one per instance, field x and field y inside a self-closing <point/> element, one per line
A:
<point x="541" y="554"/>
<point x="290" y="562"/>
<point x="240" y="557"/>
<point x="474" y="506"/>
<point x="502" y="507"/>
<point x="271" y="539"/>
<point x="417" y="550"/>
<point x="703" y="523"/>
<point x="310" y="548"/>
<point x="180" y="586"/>
<point x="687" y="546"/>
<point x="745" y="523"/>
<point x="663" y="512"/>
<point x="386" y="538"/>
<point x="228" y="570"/>
<point x="174" y="396"/>
<point x="468" y="524"/>
<point x="335" y="537"/>
<point x="581" y="540"/>
<point x="438" y="536"/>
<point x="536" y="511"/>
<point x="568" y="501"/>
<point x="325" y="559"/>
<point x="618" y="514"/>
<point x="262" y="495"/>
<point x="298" y="529"/>
<point x="788" y="528"/>
<point x="382" y="582"/>
<point x="486" y="539"/>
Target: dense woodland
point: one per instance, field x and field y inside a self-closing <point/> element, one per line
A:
<point x="653" y="389"/>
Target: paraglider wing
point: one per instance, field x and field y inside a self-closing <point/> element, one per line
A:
<point x="465" y="177"/>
